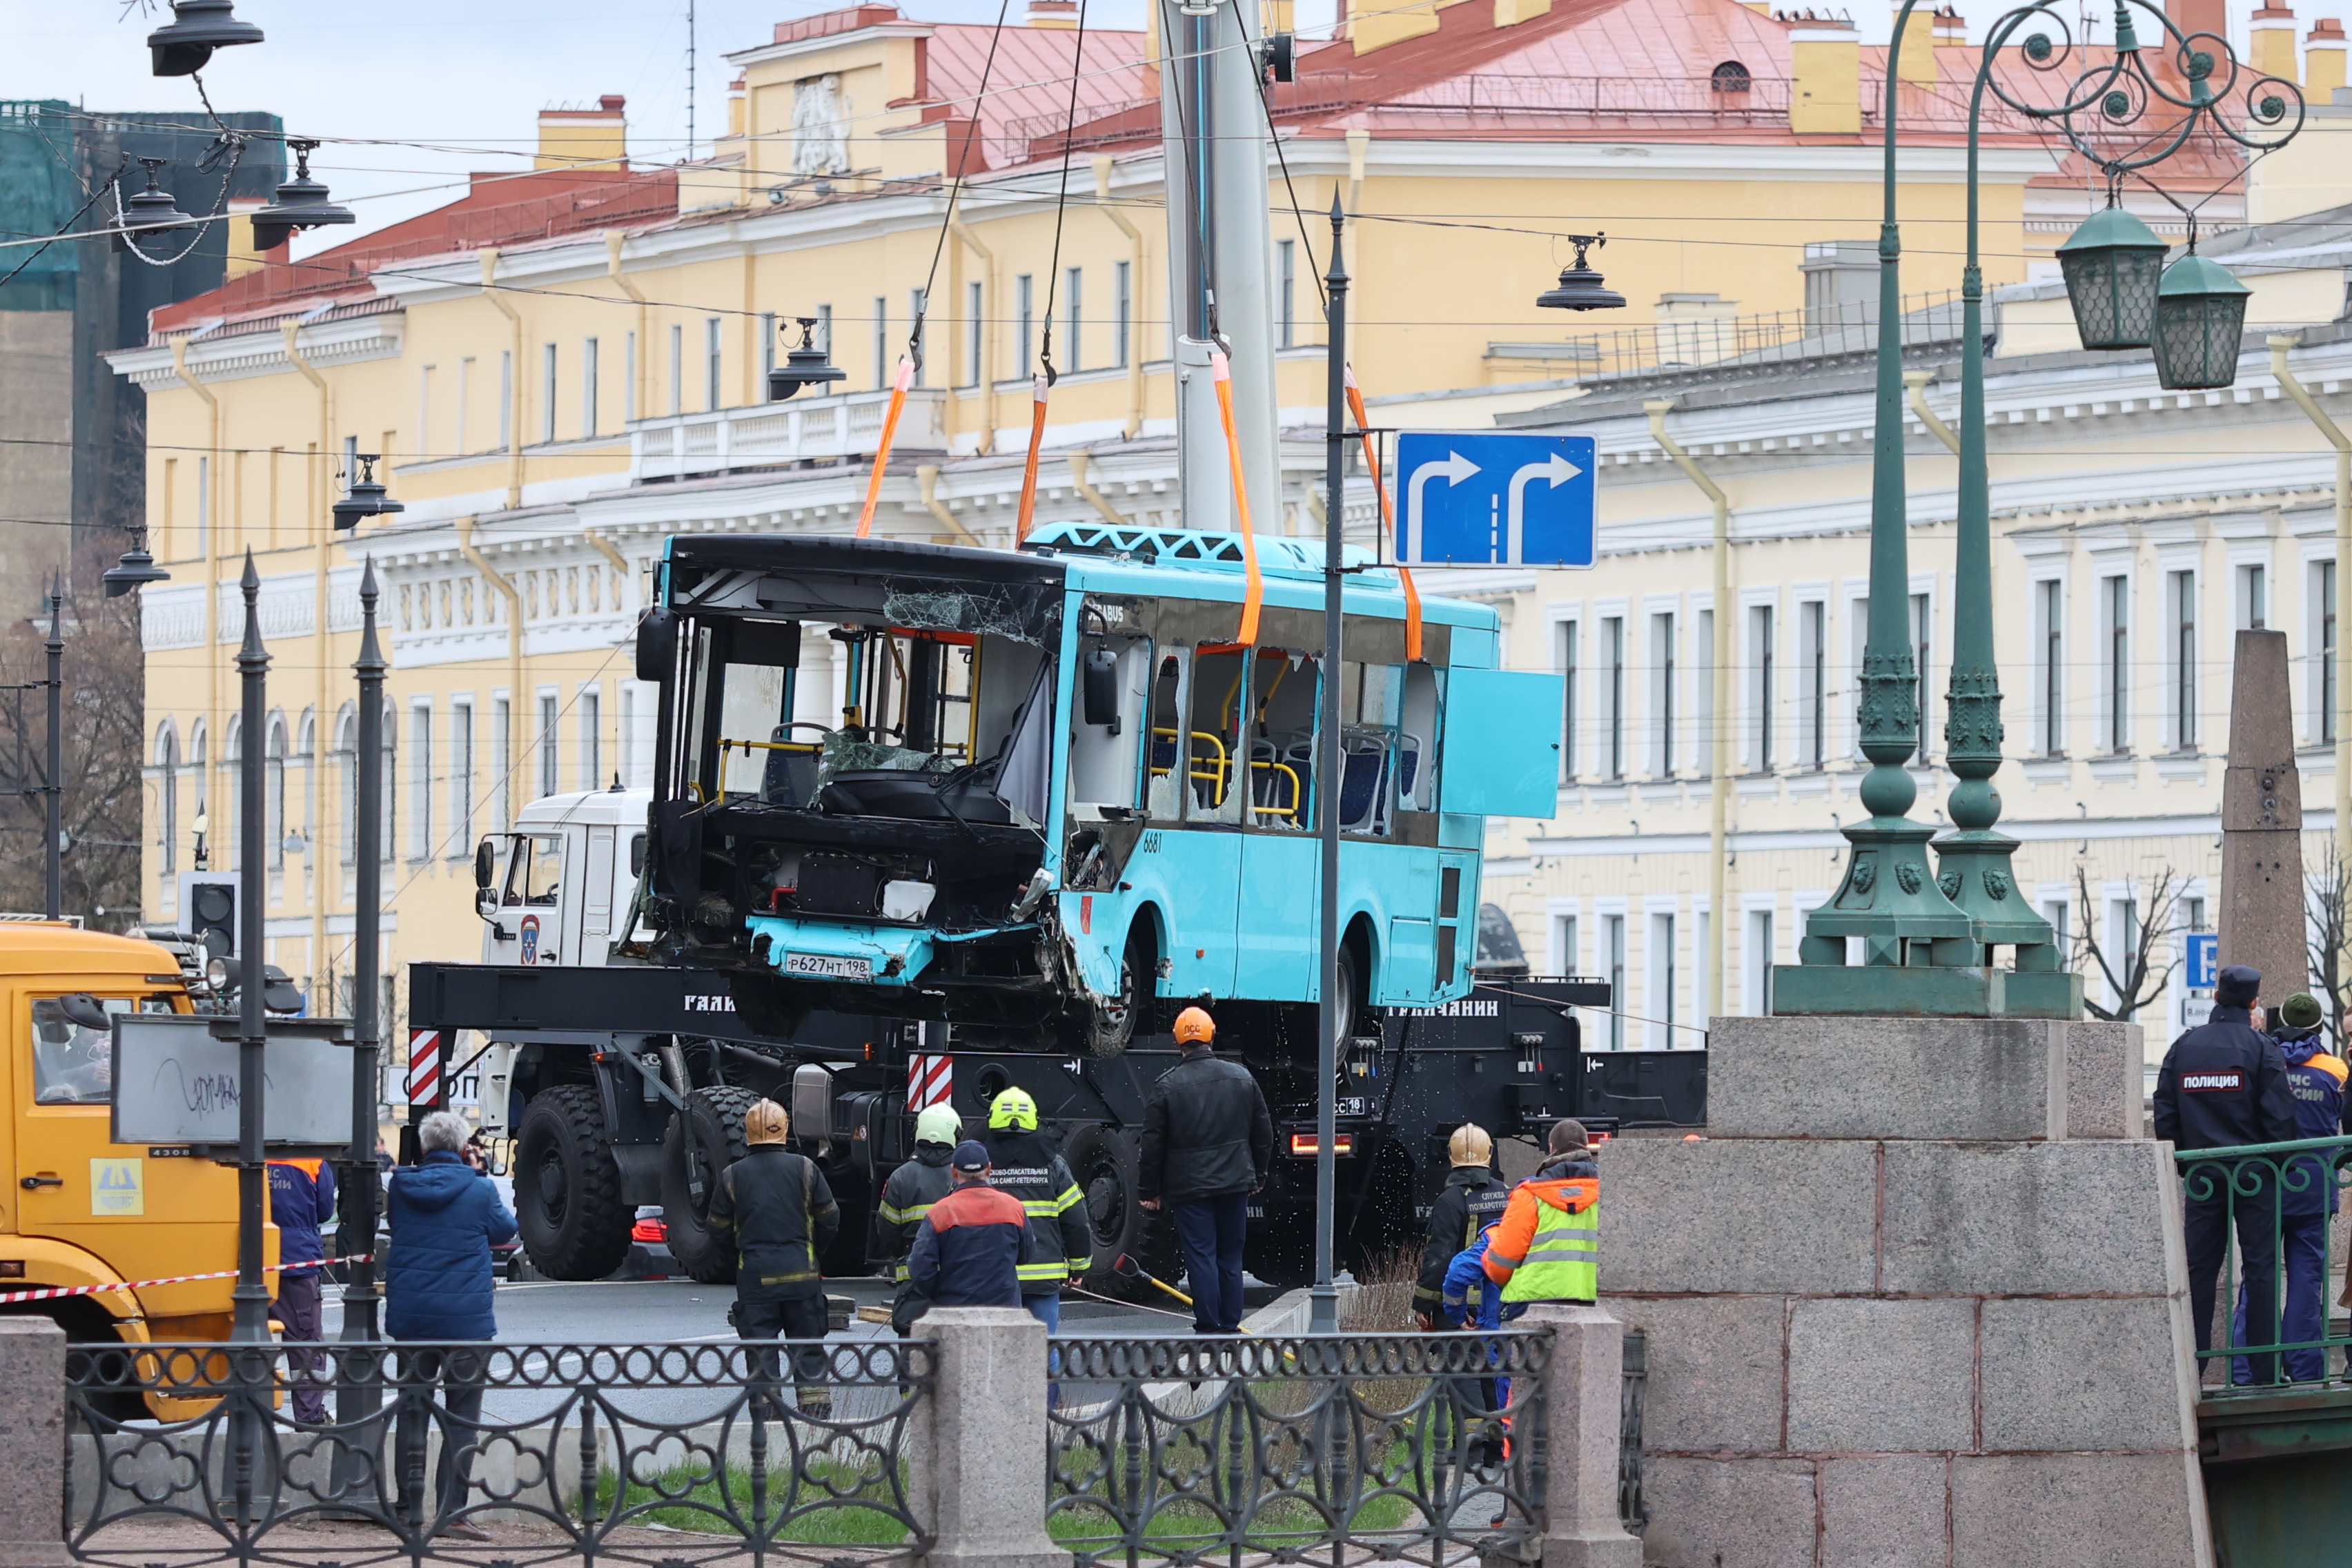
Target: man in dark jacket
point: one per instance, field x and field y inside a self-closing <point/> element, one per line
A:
<point x="438" y="1284"/>
<point x="1472" y="1199"/>
<point x="1208" y="1143"/>
<point x="2306" y="1195"/>
<point x="774" y="1207"/>
<point x="2224" y="1085"/>
<point x="907" y="1199"/>
<point x="969" y="1248"/>
<point x="301" y="1199"/>
<point x="1023" y="1162"/>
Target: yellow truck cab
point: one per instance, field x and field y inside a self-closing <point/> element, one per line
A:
<point x="81" y="1209"/>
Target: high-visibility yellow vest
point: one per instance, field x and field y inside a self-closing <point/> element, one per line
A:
<point x="1563" y="1259"/>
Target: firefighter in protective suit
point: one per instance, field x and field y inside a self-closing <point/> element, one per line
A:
<point x="907" y="1199"/>
<point x="775" y="1208"/>
<point x="1025" y="1163"/>
<point x="1473" y="1198"/>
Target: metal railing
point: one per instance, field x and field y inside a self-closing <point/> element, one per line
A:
<point x="778" y="435"/>
<point x="2260" y="1239"/>
<point x="1772" y="338"/>
<point x="1401" y="1447"/>
<point x="662" y="1455"/>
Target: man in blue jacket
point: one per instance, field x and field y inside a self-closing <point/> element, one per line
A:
<point x="301" y="1200"/>
<point x="969" y="1248"/>
<point x="445" y="1216"/>
<point x="2306" y="1193"/>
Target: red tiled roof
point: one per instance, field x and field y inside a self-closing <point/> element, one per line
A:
<point x="500" y="209"/>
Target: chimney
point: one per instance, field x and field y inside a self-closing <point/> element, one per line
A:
<point x="1918" y="61"/>
<point x="584" y="138"/>
<point x="2323" y="60"/>
<point x="1840" y="283"/>
<point x="1952" y="30"/>
<point x="1827" y="96"/>
<point x="242" y="255"/>
<point x="2271" y="33"/>
<point x="735" y="107"/>
<point x="1054" y="13"/>
<point x="2191" y="16"/>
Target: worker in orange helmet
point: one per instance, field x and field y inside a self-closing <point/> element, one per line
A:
<point x="1208" y="1143"/>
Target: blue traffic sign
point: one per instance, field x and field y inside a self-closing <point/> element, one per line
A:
<point x="2203" y="961"/>
<point x="1476" y="499"/>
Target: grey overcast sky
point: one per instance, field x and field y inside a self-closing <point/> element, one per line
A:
<point x="443" y="87"/>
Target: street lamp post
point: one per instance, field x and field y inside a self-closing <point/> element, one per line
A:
<point x="1929" y="941"/>
<point x="358" y="1242"/>
<point x="1331" y="1019"/>
<point x="251" y="1296"/>
<point x="53" y="838"/>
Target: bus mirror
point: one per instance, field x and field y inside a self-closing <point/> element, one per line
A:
<point x="1102" y="687"/>
<point x="657" y="645"/>
<point x="486" y="863"/>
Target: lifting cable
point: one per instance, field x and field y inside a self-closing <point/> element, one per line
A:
<point x="1388" y="516"/>
<point x="1042" y="386"/>
<point x="911" y="364"/>
<point x="1255" y="594"/>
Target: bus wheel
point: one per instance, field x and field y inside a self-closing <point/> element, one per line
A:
<point x="1350" y="988"/>
<point x="703" y="1139"/>
<point x="1102" y="1161"/>
<point x="568" y="1186"/>
<point x="1104" y="1027"/>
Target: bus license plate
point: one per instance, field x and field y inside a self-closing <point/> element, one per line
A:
<point x="829" y="966"/>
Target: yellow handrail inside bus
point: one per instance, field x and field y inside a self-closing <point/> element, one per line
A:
<point x="1218" y="768"/>
<point x="1296" y="789"/>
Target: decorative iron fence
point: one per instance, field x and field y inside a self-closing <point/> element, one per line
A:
<point x="661" y="1455"/>
<point x="2260" y="1241"/>
<point x="1633" y="1509"/>
<point x="1406" y="1448"/>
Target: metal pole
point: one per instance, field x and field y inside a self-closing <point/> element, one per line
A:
<point x="53" y="788"/>
<point x="1323" y="1311"/>
<point x="360" y="1300"/>
<point x="251" y="1296"/>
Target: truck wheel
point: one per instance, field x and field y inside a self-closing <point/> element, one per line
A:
<point x="568" y="1186"/>
<point x="1102" y="1160"/>
<point x="1104" y="1028"/>
<point x="703" y="1139"/>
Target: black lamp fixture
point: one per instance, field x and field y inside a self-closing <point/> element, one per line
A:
<point x="301" y="202"/>
<point x="1579" y="285"/>
<point x="150" y="212"/>
<point x="804" y="366"/>
<point x="2111" y="265"/>
<point x="136" y="569"/>
<point x="181" y="45"/>
<point x="365" y="498"/>
<point x="2200" y="319"/>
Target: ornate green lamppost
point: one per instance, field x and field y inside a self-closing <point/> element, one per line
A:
<point x="1929" y="941"/>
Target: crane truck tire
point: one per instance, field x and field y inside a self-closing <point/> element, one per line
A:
<point x="568" y="1186"/>
<point x="703" y="1140"/>
<point x="1102" y="1161"/>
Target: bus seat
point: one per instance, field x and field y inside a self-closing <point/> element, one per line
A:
<point x="1362" y="780"/>
<point x="1408" y="765"/>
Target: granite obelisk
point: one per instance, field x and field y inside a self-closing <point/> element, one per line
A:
<point x="2262" y="822"/>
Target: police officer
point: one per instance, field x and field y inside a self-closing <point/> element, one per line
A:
<point x="2224" y="1085"/>
<point x="778" y="1211"/>
<point x="907" y="1197"/>
<point x="1472" y="1199"/>
<point x="1024" y="1163"/>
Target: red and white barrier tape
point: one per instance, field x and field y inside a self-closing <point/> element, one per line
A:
<point x="52" y="1293"/>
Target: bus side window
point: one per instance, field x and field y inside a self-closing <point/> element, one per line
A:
<point x="1164" y="795"/>
<point x="1103" y="756"/>
<point x="1418" y="724"/>
<point x="1215" y="748"/>
<point x="1369" y="702"/>
<point x="1282" y="738"/>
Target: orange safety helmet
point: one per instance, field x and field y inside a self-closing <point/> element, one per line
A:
<point x="1194" y="1027"/>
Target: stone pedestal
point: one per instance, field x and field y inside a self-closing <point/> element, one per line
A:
<point x="1918" y="1298"/>
<point x="1583" y="1393"/>
<point x="33" y="1444"/>
<point x="984" y="1505"/>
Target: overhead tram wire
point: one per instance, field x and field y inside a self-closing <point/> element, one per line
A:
<point x="955" y="188"/>
<point x="1042" y="385"/>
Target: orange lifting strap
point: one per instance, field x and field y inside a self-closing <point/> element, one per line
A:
<point x="1388" y="516"/>
<point x="1255" y="594"/>
<point x="1039" y="389"/>
<point x="882" y="453"/>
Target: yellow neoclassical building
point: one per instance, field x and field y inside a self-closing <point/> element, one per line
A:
<point x="567" y="366"/>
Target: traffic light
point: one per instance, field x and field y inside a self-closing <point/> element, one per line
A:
<point x="208" y="909"/>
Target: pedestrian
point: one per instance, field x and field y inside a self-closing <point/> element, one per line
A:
<point x="907" y="1199"/>
<point x="1473" y="1198"/>
<point x="301" y="1200"/>
<point x="775" y="1209"/>
<point x="2224" y="1085"/>
<point x="969" y="1248"/>
<point x="1548" y="1245"/>
<point x="1023" y="1162"/>
<point x="2306" y="1192"/>
<point x="437" y="1288"/>
<point x="1208" y="1143"/>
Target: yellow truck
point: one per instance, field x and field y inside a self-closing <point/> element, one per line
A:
<point x="83" y="1210"/>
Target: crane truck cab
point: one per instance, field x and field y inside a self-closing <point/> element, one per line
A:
<point x="83" y="1210"/>
<point x="557" y="888"/>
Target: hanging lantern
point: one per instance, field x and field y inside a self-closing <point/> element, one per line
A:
<point x="136" y="569"/>
<point x="2200" y="319"/>
<point x="804" y="366"/>
<point x="182" y="46"/>
<point x="300" y="203"/>
<point x="365" y="498"/>
<point x="151" y="212"/>
<point x="1579" y="285"/>
<point x="2111" y="265"/>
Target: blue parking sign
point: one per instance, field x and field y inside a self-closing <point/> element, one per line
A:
<point x="1477" y="500"/>
<point x="2202" y="961"/>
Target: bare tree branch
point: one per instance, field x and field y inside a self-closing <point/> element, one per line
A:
<point x="2132" y="977"/>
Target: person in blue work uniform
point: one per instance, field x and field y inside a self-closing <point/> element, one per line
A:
<point x="968" y="1250"/>
<point x="1468" y="1299"/>
<point x="2306" y="1191"/>
<point x="301" y="1201"/>
<point x="2224" y="1085"/>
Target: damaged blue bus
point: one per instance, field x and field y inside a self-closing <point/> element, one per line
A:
<point x="1045" y="796"/>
